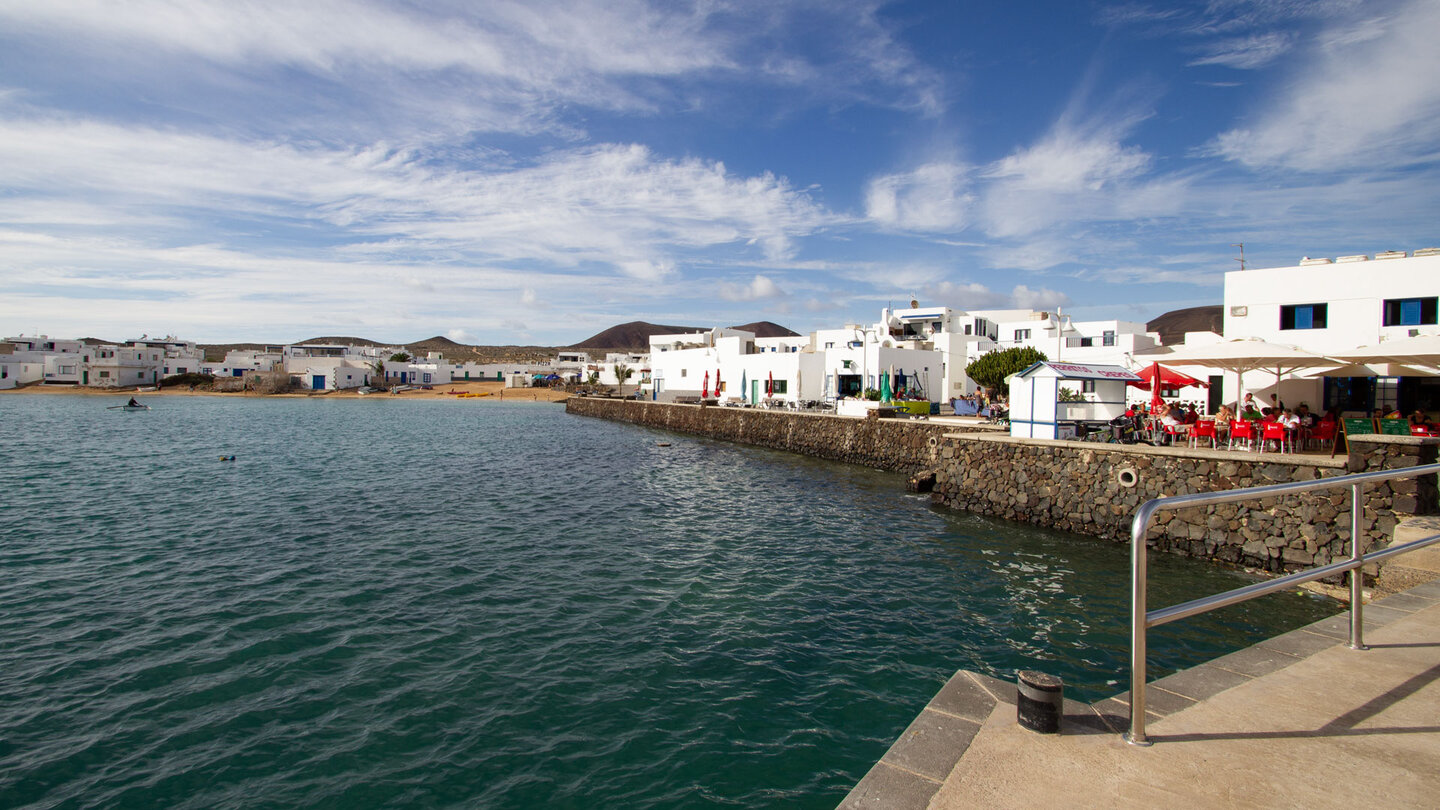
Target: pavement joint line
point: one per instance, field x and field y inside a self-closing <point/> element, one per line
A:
<point x="936" y="782"/>
<point x="944" y="713"/>
<point x="982" y="685"/>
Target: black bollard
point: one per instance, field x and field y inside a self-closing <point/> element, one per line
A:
<point x="1042" y="702"/>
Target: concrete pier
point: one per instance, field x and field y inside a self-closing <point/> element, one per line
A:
<point x="1299" y="720"/>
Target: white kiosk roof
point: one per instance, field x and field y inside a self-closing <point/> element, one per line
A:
<point x="1080" y="371"/>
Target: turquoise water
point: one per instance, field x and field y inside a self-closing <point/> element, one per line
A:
<point x="462" y="604"/>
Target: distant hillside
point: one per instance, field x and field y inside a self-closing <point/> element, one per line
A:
<point x="1173" y="325"/>
<point x="635" y="335"/>
<point x="767" y="329"/>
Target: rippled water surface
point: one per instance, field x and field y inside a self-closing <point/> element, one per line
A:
<point x="382" y="602"/>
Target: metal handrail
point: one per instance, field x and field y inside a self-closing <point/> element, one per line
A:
<point x="1141" y="620"/>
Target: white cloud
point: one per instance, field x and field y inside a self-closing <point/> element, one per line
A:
<point x="1245" y="53"/>
<point x="1367" y="101"/>
<point x="760" y="288"/>
<point x="932" y="197"/>
<point x="1043" y="298"/>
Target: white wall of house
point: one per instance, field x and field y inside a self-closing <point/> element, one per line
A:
<point x="1329" y="305"/>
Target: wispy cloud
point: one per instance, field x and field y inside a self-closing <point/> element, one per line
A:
<point x="1245" y="53"/>
<point x="1367" y="101"/>
<point x="932" y="197"/>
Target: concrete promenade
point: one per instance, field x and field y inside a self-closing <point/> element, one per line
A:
<point x="1300" y="720"/>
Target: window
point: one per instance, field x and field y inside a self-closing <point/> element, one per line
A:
<point x="1303" y="316"/>
<point x="1410" y="311"/>
<point x="967" y="328"/>
<point x="683" y="371"/>
<point x="830" y="344"/>
<point x="1087" y="386"/>
<point x="1080" y="342"/>
<point x="104" y="375"/>
<point x="1107" y="338"/>
<point x="779" y="387"/>
<point x="1022" y="334"/>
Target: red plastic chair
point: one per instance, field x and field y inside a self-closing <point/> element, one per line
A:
<point x="1204" y="429"/>
<point x="1322" y="433"/>
<point x="1276" y="432"/>
<point x="1243" y="431"/>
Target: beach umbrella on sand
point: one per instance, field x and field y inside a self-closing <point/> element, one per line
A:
<point x="705" y="387"/>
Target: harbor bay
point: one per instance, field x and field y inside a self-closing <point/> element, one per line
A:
<point x="441" y="604"/>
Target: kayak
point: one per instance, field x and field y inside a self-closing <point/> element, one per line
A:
<point x="129" y="408"/>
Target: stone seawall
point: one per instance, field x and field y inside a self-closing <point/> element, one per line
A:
<point x="899" y="445"/>
<point x="1081" y="488"/>
<point x="1077" y="486"/>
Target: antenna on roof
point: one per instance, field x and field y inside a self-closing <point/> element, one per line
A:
<point x="1241" y="260"/>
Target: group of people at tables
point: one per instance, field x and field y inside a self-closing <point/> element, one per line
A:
<point x="1173" y="422"/>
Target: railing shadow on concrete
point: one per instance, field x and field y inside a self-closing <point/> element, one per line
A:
<point x="1141" y="620"/>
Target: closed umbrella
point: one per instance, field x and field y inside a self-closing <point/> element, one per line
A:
<point x="744" y="388"/>
<point x="885" y="393"/>
<point x="770" y="385"/>
<point x="717" y="383"/>
<point x="705" y="387"/>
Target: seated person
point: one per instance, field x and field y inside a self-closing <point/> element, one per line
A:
<point x="1269" y="415"/>
<point x="1332" y="416"/>
<point x="1249" y="411"/>
<point x="1419" y="419"/>
<point x="1192" y="416"/>
<point x="1289" y="419"/>
<point x="1224" y="417"/>
<point x="1171" y="419"/>
<point x="1307" y="419"/>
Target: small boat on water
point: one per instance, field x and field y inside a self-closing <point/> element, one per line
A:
<point x="129" y="408"/>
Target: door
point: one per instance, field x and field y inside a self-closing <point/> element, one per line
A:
<point x="317" y="382"/>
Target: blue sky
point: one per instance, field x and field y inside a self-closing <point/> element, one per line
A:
<point x="534" y="172"/>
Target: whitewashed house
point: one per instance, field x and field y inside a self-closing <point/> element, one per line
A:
<point x="1333" y="305"/>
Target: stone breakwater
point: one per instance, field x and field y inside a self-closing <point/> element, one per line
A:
<point x="1078" y="487"/>
<point x="898" y="445"/>
<point x="1082" y="488"/>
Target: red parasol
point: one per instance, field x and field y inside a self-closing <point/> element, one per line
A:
<point x="705" y="388"/>
<point x="717" y="383"/>
<point x="1169" y="378"/>
<point x="770" y="385"/>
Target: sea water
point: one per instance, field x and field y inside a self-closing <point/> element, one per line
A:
<point x="382" y="602"/>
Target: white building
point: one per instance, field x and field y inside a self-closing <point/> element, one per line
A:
<point x="962" y="337"/>
<point x="1331" y="305"/>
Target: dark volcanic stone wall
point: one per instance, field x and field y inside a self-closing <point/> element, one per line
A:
<point x="900" y="445"/>
<point x="1076" y="487"/>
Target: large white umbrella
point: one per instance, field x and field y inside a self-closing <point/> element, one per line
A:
<point x="1421" y="350"/>
<point x="1245" y="354"/>
<point x="1372" y="370"/>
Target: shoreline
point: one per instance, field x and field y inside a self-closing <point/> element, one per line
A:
<point x="493" y="391"/>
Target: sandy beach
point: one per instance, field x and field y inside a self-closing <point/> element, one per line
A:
<point x="492" y="391"/>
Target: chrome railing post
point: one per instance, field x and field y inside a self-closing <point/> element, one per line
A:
<point x="1357" y="574"/>
<point x="1138" y="600"/>
<point x="1141" y="619"/>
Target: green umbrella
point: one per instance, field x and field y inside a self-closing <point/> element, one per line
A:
<point x="885" y="394"/>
